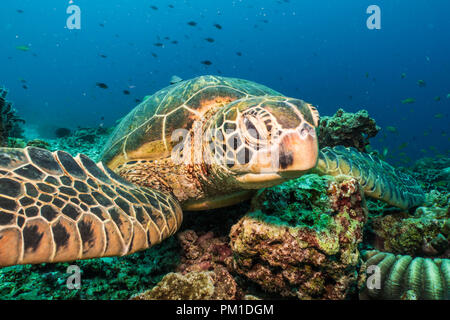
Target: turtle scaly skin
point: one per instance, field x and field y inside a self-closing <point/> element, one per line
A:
<point x="378" y="179"/>
<point x="199" y="144"/>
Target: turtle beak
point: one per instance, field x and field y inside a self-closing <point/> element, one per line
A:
<point x="294" y="155"/>
<point x="298" y="151"/>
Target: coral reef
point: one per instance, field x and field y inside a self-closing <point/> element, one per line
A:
<point x="426" y="232"/>
<point x="347" y="129"/>
<point x="404" y="277"/>
<point x="202" y="273"/>
<point x="88" y="141"/>
<point x="104" y="278"/>
<point x="10" y="123"/>
<point x="434" y="172"/>
<point x="309" y="257"/>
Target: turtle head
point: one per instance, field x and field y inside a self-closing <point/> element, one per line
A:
<point x="263" y="141"/>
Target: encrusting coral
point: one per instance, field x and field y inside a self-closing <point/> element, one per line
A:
<point x="347" y="129"/>
<point x="314" y="256"/>
<point x="425" y="232"/>
<point x="405" y="277"/>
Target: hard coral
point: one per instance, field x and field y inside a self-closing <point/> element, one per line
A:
<point x="347" y="129"/>
<point x="301" y="260"/>
<point x="424" y="233"/>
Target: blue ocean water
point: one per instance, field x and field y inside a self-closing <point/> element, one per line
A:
<point x="318" y="51"/>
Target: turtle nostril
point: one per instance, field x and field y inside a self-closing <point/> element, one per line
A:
<point x="304" y="133"/>
<point x="306" y="130"/>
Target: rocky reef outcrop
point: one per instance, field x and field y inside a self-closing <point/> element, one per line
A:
<point x="301" y="238"/>
<point x="10" y="123"/>
<point x="347" y="129"/>
<point x="425" y="232"/>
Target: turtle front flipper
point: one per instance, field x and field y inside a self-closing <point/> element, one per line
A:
<point x="55" y="208"/>
<point x="378" y="179"/>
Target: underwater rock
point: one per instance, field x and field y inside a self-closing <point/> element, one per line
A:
<point x="404" y="277"/>
<point x="202" y="253"/>
<point x="195" y="285"/>
<point x="347" y="129"/>
<point x="62" y="132"/>
<point x="301" y="237"/>
<point x="208" y="253"/>
<point x="39" y="144"/>
<point x="10" y="123"/>
<point x="424" y="233"/>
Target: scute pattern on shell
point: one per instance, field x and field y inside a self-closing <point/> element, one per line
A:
<point x="55" y="208"/>
<point x="177" y="106"/>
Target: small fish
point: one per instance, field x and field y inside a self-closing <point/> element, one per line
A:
<point x="171" y="6"/>
<point x="209" y="39"/>
<point x="218" y="26"/>
<point x="102" y="118"/>
<point x="101" y="85"/>
<point x="421" y="83"/>
<point x="437" y="98"/>
<point x="154" y="7"/>
<point x="403" y="76"/>
<point x="206" y="62"/>
<point x="158" y="44"/>
<point x="154" y="55"/>
<point x="385" y="152"/>
<point x="239" y="54"/>
<point x="19" y="10"/>
<point x="366" y="75"/>
<point x="402" y="146"/>
<point x="138" y="100"/>
<point x="23" y="48"/>
<point x="126" y="92"/>
<point x="192" y="23"/>
<point x="438" y="116"/>
<point x="392" y="129"/>
<point x="174" y="41"/>
<point x="101" y="25"/>
<point x="103" y="56"/>
<point x="408" y="100"/>
<point x="175" y="79"/>
<point x="25" y="86"/>
<point x="448" y="96"/>
<point x="167" y="38"/>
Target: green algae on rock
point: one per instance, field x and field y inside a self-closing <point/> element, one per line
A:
<point x="303" y="261"/>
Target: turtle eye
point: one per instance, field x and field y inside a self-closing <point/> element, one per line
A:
<point x="251" y="128"/>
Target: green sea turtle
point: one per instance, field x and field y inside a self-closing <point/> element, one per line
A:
<point x="198" y="144"/>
